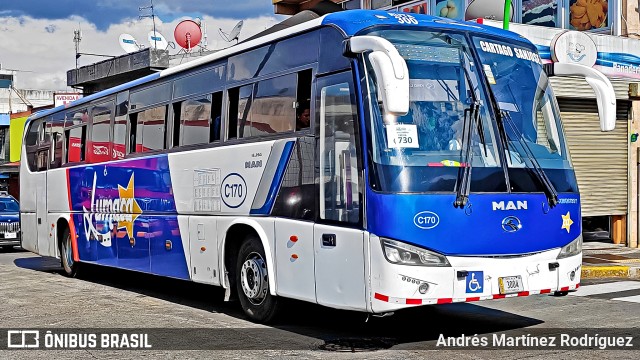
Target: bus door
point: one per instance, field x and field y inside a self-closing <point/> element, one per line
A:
<point x="40" y="179"/>
<point x="338" y="241"/>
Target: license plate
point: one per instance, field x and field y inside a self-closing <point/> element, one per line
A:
<point x="510" y="284"/>
<point x="10" y="235"/>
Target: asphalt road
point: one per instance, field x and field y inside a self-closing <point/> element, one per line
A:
<point x="34" y="294"/>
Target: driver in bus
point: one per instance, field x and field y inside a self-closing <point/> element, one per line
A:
<point x="304" y="118"/>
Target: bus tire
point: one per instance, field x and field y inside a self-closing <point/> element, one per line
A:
<point x="69" y="266"/>
<point x="560" y="293"/>
<point x="252" y="282"/>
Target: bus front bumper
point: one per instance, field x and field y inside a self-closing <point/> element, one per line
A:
<point x="469" y="279"/>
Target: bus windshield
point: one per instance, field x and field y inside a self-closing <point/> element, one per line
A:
<point x="525" y="99"/>
<point x="423" y="150"/>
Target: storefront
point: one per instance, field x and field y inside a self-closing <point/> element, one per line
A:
<point x="605" y="162"/>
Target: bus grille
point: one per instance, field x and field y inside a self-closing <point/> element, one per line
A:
<point x="6" y="227"/>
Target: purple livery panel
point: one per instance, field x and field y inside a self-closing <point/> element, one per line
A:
<point x="125" y="216"/>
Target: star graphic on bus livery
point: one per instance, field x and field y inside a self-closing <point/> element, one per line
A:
<point x="126" y="196"/>
<point x="566" y="222"/>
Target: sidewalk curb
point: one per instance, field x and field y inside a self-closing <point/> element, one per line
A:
<point x="616" y="271"/>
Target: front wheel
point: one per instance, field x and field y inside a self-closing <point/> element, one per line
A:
<point x="69" y="266"/>
<point x="252" y="282"/>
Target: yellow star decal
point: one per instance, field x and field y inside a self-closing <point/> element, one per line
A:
<point x="566" y="222"/>
<point x="131" y="209"/>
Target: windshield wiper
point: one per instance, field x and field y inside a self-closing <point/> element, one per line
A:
<point x="463" y="181"/>
<point x="549" y="190"/>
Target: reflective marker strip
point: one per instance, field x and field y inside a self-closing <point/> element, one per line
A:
<point x="394" y="300"/>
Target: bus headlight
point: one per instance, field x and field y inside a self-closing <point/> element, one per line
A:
<point x="397" y="252"/>
<point x="571" y="249"/>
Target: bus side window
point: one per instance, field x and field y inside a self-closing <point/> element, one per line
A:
<point x="150" y="129"/>
<point x="76" y="138"/>
<point x="216" y="117"/>
<point x="76" y="134"/>
<point x="133" y="133"/>
<point x="57" y="140"/>
<point x="232" y="125"/>
<point x="31" y="142"/>
<point x="101" y="133"/>
<point x="339" y="156"/>
<point x="195" y="121"/>
<point x="44" y="145"/>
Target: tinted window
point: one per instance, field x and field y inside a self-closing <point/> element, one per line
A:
<point x="283" y="55"/>
<point x="244" y="111"/>
<point x="75" y="143"/>
<point x="77" y="117"/>
<point x="338" y="162"/>
<point x="31" y="138"/>
<point x="200" y="83"/>
<point x="31" y="142"/>
<point x="150" y="96"/>
<point x="273" y="109"/>
<point x="216" y="116"/>
<point x="297" y="196"/>
<point x="151" y="129"/>
<point x="196" y="117"/>
<point x="56" y="130"/>
<point x="331" y="57"/>
<point x="101" y="134"/>
<point x="120" y="126"/>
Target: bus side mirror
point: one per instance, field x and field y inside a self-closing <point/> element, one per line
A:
<point x="605" y="95"/>
<point x="390" y="69"/>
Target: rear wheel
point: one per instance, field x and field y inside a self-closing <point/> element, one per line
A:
<point x="252" y="282"/>
<point x="69" y="266"/>
<point x="560" y="293"/>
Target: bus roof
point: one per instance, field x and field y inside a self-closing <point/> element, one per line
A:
<point x="350" y="22"/>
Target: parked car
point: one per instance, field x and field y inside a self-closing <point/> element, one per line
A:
<point x="9" y="221"/>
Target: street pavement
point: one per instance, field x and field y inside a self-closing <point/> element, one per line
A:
<point x="35" y="294"/>
<point x="608" y="260"/>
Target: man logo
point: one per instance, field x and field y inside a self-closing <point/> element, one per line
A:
<point x="511" y="224"/>
<point x="510" y="205"/>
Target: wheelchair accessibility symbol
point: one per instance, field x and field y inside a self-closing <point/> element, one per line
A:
<point x="475" y="282"/>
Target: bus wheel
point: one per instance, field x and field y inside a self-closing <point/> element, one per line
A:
<point x="560" y="293"/>
<point x="252" y="282"/>
<point x="69" y="266"/>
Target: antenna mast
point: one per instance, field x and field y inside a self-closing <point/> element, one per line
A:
<point x="153" y="18"/>
<point x="77" y="37"/>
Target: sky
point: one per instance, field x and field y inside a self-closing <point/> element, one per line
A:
<point x="36" y="36"/>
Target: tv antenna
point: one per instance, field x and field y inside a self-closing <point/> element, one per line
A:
<point x="233" y="34"/>
<point x="153" y="19"/>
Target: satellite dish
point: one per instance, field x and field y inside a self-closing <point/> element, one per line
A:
<point x="187" y="34"/>
<point x="157" y="41"/>
<point x="128" y="43"/>
<point x="234" y="34"/>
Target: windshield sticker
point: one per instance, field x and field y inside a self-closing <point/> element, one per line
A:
<point x="402" y="136"/>
<point x="489" y="74"/>
<point x="506" y="50"/>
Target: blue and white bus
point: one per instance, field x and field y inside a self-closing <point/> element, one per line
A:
<point x="433" y="169"/>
